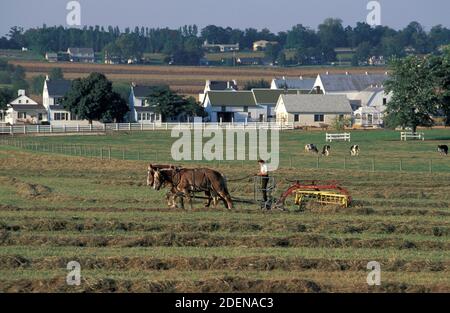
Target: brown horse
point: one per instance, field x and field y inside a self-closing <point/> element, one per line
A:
<point x="173" y="193"/>
<point x="187" y="181"/>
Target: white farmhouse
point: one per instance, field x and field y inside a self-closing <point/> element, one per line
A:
<point x="233" y="106"/>
<point x="24" y="110"/>
<point x="140" y="111"/>
<point x="365" y="92"/>
<point x="214" y="85"/>
<point x="312" y="110"/>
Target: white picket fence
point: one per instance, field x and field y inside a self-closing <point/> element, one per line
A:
<point x="50" y="129"/>
<point x="410" y="135"/>
<point x="332" y="137"/>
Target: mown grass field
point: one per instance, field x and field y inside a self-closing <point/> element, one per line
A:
<point x="56" y="208"/>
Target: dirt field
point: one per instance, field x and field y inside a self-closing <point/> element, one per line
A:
<point x="185" y="79"/>
<point x="58" y="208"/>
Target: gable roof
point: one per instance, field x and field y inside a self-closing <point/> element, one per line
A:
<point x="351" y="82"/>
<point x="295" y="83"/>
<point x="81" y="51"/>
<point x="270" y="96"/>
<point x="316" y="103"/>
<point x="27" y="107"/>
<point x="141" y="91"/>
<point x="231" y="98"/>
<point x="58" y="87"/>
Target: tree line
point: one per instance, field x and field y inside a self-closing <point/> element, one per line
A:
<point x="299" y="45"/>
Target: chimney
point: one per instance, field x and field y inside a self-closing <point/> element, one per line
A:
<point x="284" y="77"/>
<point x="367" y="73"/>
<point x="133" y="84"/>
<point x="328" y="73"/>
<point x="21" y="92"/>
<point x="47" y="77"/>
<point x="301" y="77"/>
<point x="346" y="73"/>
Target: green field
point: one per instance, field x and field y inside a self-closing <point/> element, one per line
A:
<point x="69" y="204"/>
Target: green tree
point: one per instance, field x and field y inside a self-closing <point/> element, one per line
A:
<point x="414" y="100"/>
<point x="169" y="104"/>
<point x="56" y="73"/>
<point x="37" y="84"/>
<point x="6" y="96"/>
<point x="441" y="72"/>
<point x="93" y="98"/>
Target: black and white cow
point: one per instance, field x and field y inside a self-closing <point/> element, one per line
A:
<point x="443" y="149"/>
<point x="354" y="150"/>
<point x="311" y="148"/>
<point x="326" y="150"/>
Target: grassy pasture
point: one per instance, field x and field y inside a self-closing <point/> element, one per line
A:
<point x="58" y="207"/>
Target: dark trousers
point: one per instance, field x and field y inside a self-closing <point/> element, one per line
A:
<point x="264" y="182"/>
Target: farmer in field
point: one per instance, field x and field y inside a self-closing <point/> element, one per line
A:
<point x="264" y="174"/>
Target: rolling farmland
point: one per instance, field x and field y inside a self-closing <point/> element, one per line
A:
<point x="56" y="208"/>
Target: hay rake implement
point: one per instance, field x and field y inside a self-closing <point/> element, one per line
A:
<point x="322" y="192"/>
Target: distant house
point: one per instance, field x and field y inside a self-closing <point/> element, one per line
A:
<point x="268" y="98"/>
<point x="51" y="57"/>
<point x="140" y="111"/>
<point x="249" y="61"/>
<point x="215" y="85"/>
<point x="301" y="83"/>
<point x="261" y="45"/>
<point x="83" y="55"/>
<point x="52" y="96"/>
<point x="220" y="46"/>
<point x="312" y="109"/>
<point x="24" y="110"/>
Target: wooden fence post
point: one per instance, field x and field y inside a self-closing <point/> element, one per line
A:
<point x="373" y="164"/>
<point x="431" y="166"/>
<point x="401" y="165"/>
<point x="109" y="153"/>
<point x="345" y="162"/>
<point x="318" y="162"/>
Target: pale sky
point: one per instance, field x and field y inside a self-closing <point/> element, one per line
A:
<point x="277" y="15"/>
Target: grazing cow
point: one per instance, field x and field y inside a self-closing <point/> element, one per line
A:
<point x="443" y="149"/>
<point x="184" y="182"/>
<point x="311" y="148"/>
<point x="354" y="150"/>
<point x="326" y="150"/>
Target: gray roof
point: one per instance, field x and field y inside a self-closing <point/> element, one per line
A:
<point x="295" y="83"/>
<point x="270" y="96"/>
<point x="28" y="107"/>
<point x="142" y="91"/>
<point x="144" y="109"/>
<point x="316" y="104"/>
<point x="231" y="98"/>
<point x="81" y="51"/>
<point x="352" y="82"/>
<point x="59" y="87"/>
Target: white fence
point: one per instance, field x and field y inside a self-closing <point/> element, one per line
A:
<point x="332" y="137"/>
<point x="50" y="129"/>
<point x="410" y="135"/>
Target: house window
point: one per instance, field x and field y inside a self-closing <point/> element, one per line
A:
<point x="246" y="109"/>
<point x="261" y="117"/>
<point x="139" y="117"/>
<point x="20" y="101"/>
<point x="384" y="101"/>
<point x="223" y="109"/>
<point x="249" y="115"/>
<point x="26" y="101"/>
<point x="61" y="116"/>
<point x="341" y="117"/>
<point x="40" y="116"/>
<point x="22" y="115"/>
<point x="296" y="118"/>
<point x="1" y="116"/>
<point x="318" y="118"/>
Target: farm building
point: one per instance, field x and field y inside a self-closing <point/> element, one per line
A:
<point x="83" y="55"/>
<point x="221" y="47"/>
<point x="51" y="57"/>
<point x="140" y="111"/>
<point x="24" y="110"/>
<point x="240" y="106"/>
<point x="368" y="117"/>
<point x="214" y="85"/>
<point x="261" y="45"/>
<point x="233" y="106"/>
<point x="304" y="84"/>
<point x="312" y="110"/>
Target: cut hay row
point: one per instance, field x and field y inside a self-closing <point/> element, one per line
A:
<point x="215" y="240"/>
